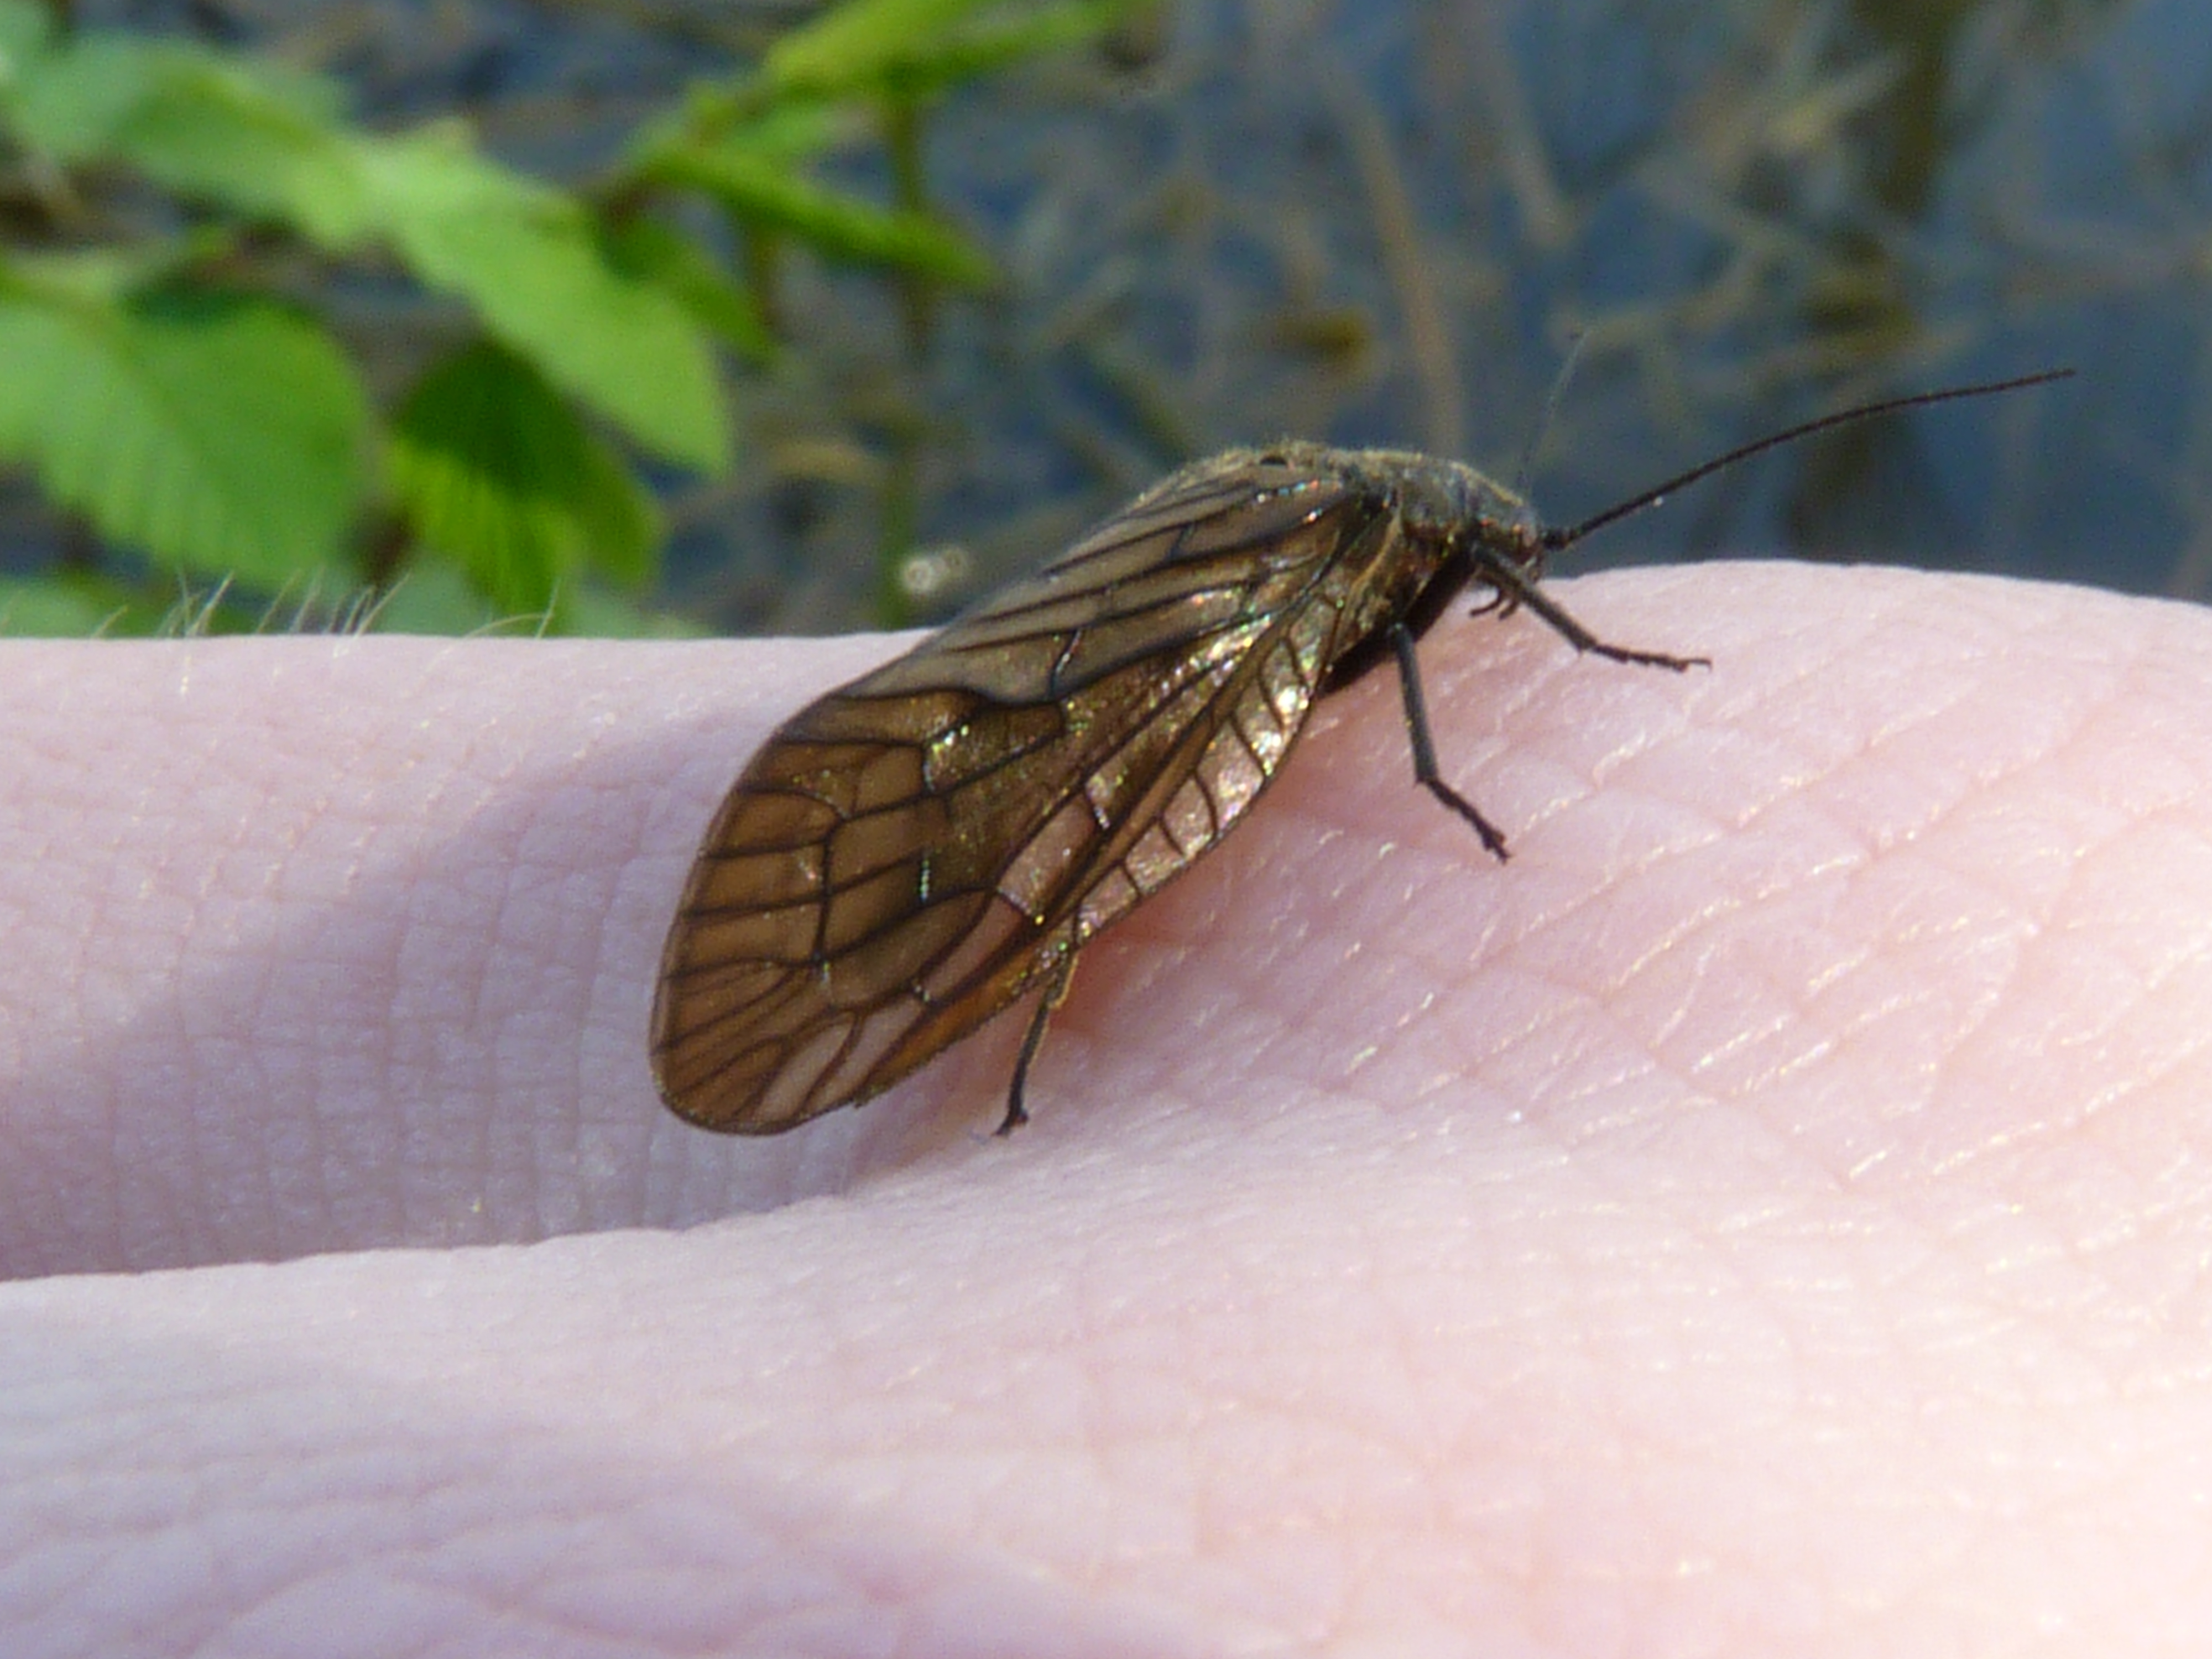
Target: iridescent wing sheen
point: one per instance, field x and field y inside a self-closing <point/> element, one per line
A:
<point x="912" y="853"/>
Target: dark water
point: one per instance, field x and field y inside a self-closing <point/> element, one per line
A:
<point x="1748" y="214"/>
<point x="1386" y="223"/>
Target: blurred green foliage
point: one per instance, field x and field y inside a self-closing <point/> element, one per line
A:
<point x="171" y="372"/>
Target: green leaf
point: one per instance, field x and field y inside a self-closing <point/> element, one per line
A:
<point x="841" y="226"/>
<point x="25" y="30"/>
<point x="850" y="48"/>
<point x="797" y="129"/>
<point x="652" y="251"/>
<point x="790" y="129"/>
<point x="222" y="434"/>
<point x="265" y="142"/>
<point x="109" y="273"/>
<point x="437" y="598"/>
<point x="592" y="609"/>
<point x="260" y="140"/>
<point x="914" y="47"/>
<point x="527" y="259"/>
<point x="495" y="472"/>
<point x="70" y="606"/>
<point x="989" y="47"/>
<point x="432" y="597"/>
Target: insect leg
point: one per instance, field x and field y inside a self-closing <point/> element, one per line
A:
<point x="1425" y="772"/>
<point x="1032" y="1040"/>
<point x="1517" y="590"/>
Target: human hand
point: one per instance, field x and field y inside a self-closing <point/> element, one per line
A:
<point x="1766" y="1217"/>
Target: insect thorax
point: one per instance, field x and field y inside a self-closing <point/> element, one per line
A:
<point x="1432" y="526"/>
<point x="1446" y="501"/>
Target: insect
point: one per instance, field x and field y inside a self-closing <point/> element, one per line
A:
<point x="918" y="850"/>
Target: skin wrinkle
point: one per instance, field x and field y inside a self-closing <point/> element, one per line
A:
<point x="2113" y="1006"/>
<point x="573" y="934"/>
<point x="2012" y="765"/>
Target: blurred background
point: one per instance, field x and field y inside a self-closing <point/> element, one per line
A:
<point x="651" y="316"/>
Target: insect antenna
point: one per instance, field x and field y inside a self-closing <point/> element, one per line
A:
<point x="1554" y="540"/>
<point x="1550" y="413"/>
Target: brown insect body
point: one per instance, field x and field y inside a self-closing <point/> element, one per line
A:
<point x="918" y="850"/>
<point x="913" y="853"/>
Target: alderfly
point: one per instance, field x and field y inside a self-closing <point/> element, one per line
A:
<point x="918" y="850"/>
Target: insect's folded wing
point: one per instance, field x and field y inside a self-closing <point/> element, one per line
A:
<point x="909" y="854"/>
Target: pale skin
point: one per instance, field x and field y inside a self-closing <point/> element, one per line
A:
<point x="1769" y="1216"/>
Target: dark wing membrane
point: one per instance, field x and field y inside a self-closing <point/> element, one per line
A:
<point x="908" y="855"/>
